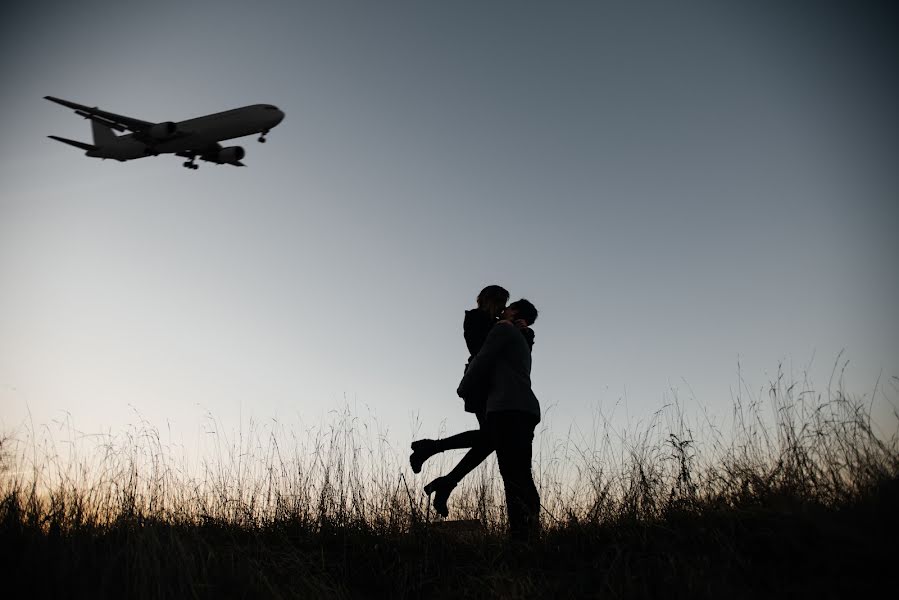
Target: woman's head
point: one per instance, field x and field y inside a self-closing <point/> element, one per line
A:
<point x="492" y="299"/>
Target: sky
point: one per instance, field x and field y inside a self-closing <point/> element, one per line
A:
<point x="691" y="194"/>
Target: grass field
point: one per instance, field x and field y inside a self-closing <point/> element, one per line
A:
<point x="797" y="498"/>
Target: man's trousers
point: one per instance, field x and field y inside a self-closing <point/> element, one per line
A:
<point x="512" y="436"/>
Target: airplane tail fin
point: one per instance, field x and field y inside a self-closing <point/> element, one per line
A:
<point x="75" y="143"/>
<point x="103" y="134"/>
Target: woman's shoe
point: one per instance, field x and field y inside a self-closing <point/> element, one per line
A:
<point x="441" y="488"/>
<point x="422" y="450"/>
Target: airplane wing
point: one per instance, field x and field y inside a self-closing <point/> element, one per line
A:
<point x="117" y="122"/>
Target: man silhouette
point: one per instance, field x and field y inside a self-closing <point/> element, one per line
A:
<point x="503" y="366"/>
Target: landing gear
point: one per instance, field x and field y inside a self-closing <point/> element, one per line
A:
<point x="190" y="163"/>
<point x="262" y="136"/>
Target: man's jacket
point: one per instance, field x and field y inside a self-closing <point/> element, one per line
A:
<point x="503" y="366"/>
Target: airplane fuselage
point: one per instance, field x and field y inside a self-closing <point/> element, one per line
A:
<point x="194" y="133"/>
<point x="192" y="139"/>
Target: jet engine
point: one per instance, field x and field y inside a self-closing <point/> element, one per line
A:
<point x="161" y="131"/>
<point x="229" y="155"/>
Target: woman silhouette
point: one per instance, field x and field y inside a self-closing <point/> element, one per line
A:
<point x="477" y="324"/>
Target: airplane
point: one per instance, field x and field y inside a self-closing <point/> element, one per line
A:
<point x="191" y="139"/>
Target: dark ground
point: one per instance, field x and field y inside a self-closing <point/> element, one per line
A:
<point x="779" y="548"/>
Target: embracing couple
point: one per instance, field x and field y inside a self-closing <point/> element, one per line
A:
<point x="496" y="387"/>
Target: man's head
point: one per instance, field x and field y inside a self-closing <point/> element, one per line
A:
<point x="521" y="309"/>
<point x="493" y="299"/>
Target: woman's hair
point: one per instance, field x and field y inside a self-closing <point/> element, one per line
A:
<point x="493" y="299"/>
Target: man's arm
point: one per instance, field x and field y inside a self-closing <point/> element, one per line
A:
<point x="481" y="365"/>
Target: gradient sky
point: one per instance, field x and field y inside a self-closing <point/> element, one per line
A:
<point x="678" y="186"/>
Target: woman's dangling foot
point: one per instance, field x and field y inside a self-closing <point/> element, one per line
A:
<point x="441" y="487"/>
<point x="422" y="450"/>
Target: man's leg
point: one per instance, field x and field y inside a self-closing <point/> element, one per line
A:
<point x="512" y="433"/>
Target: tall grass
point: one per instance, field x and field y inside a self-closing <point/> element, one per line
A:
<point x="786" y="450"/>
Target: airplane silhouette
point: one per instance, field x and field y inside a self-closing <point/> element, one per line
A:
<point x="191" y="139"/>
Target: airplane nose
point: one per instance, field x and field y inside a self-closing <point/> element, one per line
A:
<point x="280" y="116"/>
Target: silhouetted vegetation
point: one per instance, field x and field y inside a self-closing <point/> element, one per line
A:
<point x="797" y="498"/>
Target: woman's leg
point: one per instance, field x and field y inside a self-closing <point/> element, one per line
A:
<point x="466" y="439"/>
<point x="424" y="449"/>
<point x="481" y="447"/>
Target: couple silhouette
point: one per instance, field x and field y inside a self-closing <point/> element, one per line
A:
<point x="496" y="387"/>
